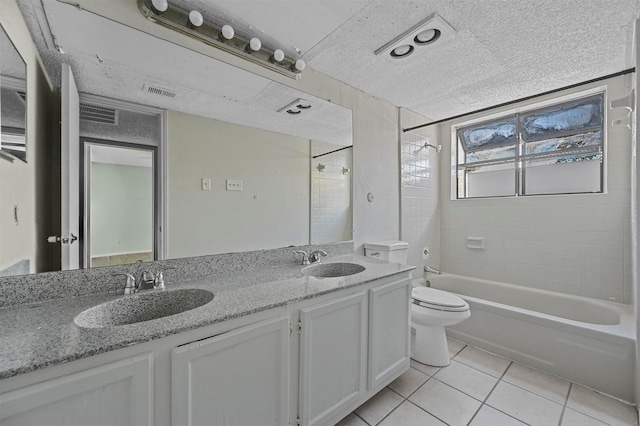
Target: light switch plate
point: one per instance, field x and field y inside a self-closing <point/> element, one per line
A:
<point x="234" y="185"/>
<point x="206" y="184"/>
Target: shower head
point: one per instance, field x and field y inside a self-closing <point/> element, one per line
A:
<point x="438" y="147"/>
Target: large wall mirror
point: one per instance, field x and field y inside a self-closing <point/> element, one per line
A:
<point x="237" y="171"/>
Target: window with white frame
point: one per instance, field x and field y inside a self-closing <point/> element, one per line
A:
<point x="556" y="149"/>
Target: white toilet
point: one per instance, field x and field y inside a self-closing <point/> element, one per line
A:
<point x="431" y="310"/>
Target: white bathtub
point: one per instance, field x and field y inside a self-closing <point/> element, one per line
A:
<point x="584" y="340"/>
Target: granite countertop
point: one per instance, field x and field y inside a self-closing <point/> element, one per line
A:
<point x="42" y="334"/>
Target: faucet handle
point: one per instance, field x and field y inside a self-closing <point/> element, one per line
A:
<point x="158" y="281"/>
<point x="315" y="255"/>
<point x="130" y="286"/>
<point x="305" y="256"/>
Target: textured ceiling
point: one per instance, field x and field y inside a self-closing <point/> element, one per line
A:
<point x="503" y="50"/>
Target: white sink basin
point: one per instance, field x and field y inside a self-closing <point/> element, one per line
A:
<point x="332" y="270"/>
<point x="143" y="306"/>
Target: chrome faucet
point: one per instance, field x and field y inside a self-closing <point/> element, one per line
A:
<point x="148" y="280"/>
<point x="428" y="268"/>
<point x="314" y="257"/>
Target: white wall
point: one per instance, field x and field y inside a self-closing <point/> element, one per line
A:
<point x="271" y="211"/>
<point x="121" y="209"/>
<point x="577" y="244"/>
<point x="420" y="223"/>
<point x="17" y="179"/>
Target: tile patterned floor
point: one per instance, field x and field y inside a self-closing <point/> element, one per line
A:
<point x="482" y="389"/>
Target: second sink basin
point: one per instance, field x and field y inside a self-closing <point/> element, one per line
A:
<point x="142" y="307"/>
<point x="332" y="270"/>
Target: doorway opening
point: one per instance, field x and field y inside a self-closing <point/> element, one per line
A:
<point x="119" y="215"/>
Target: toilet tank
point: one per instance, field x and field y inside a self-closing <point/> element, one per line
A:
<point x="390" y="250"/>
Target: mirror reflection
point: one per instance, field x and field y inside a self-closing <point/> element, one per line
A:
<point x="232" y="171"/>
<point x="13" y="101"/>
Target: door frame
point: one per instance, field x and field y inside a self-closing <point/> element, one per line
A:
<point x="85" y="185"/>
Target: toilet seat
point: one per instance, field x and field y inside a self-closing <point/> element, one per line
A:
<point x="432" y="298"/>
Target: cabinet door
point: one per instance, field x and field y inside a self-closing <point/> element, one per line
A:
<point x="237" y="378"/>
<point x="333" y="357"/>
<point x="389" y="331"/>
<point x="114" y="394"/>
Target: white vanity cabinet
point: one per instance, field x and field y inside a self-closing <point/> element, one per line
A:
<point x="238" y="378"/>
<point x="389" y="331"/>
<point x="333" y="357"/>
<point x="310" y="362"/>
<point x="351" y="347"/>
<point x="118" y="393"/>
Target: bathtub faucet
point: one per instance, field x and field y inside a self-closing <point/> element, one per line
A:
<point x="428" y="268"/>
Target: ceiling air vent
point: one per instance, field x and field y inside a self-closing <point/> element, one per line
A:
<point x="156" y="90"/>
<point x="98" y="114"/>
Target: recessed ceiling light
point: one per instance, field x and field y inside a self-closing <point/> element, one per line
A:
<point x="432" y="30"/>
<point x="299" y="106"/>
<point x="402" y="51"/>
<point x="427" y="36"/>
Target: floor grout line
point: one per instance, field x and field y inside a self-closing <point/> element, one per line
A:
<point x="483" y="402"/>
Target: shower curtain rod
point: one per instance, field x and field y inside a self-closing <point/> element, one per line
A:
<point x="628" y="71"/>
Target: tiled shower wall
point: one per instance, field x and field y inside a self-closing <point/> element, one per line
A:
<point x="331" y="210"/>
<point x="577" y="244"/>
<point x="420" y="219"/>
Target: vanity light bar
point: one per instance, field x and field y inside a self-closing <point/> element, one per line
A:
<point x="223" y="38"/>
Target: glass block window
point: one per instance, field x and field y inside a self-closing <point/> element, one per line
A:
<point x="552" y="150"/>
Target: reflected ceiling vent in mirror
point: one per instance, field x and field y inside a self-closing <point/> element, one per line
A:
<point x="431" y="31"/>
<point x="299" y="107"/>
<point x="98" y="114"/>
<point x="157" y="90"/>
<point x="198" y="25"/>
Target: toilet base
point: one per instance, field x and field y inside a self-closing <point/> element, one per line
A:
<point x="431" y="346"/>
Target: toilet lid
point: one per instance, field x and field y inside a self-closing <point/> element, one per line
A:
<point x="431" y="296"/>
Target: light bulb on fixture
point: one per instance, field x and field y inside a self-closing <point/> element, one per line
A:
<point x="226" y="33"/>
<point x="402" y="51"/>
<point x="427" y="36"/>
<point x="278" y="56"/>
<point x="254" y="45"/>
<point x="195" y="24"/>
<point x="298" y="66"/>
<point x="195" y="19"/>
<point x="160" y="6"/>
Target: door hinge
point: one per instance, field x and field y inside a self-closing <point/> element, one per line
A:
<point x="298" y="421"/>
<point x="299" y="327"/>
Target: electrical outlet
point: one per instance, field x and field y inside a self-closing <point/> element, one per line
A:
<point x="234" y="185"/>
<point x="206" y="184"/>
